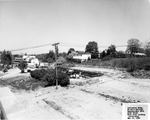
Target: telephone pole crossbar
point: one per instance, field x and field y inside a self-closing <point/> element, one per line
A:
<point x="56" y="48"/>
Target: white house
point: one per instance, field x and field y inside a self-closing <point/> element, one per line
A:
<point x="140" y="54"/>
<point x="31" y="60"/>
<point x="82" y="56"/>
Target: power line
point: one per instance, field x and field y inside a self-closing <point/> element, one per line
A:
<point x="121" y="46"/>
<point x="62" y="44"/>
<point x="115" y="45"/>
<point x="71" y="44"/>
<point x="31" y="47"/>
<point x="79" y="45"/>
<point x="76" y="45"/>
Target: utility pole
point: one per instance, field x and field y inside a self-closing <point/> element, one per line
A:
<point x="56" y="47"/>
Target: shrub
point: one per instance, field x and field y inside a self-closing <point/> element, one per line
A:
<point x="131" y="64"/>
<point x="38" y="74"/>
<point x="63" y="79"/>
<point x="50" y="78"/>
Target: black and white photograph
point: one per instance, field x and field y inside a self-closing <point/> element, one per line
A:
<point x="74" y="59"/>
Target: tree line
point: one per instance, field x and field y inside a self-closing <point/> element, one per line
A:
<point x="133" y="46"/>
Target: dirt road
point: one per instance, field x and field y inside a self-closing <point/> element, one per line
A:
<point x="98" y="98"/>
<point x="13" y="75"/>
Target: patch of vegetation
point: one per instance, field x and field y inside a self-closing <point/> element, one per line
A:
<point x="30" y="84"/>
<point x="6" y="58"/>
<point x="40" y="78"/>
<point x="38" y="74"/>
<point x="49" y="76"/>
<point x="131" y="64"/>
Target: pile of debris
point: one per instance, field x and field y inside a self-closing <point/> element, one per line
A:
<point x="83" y="74"/>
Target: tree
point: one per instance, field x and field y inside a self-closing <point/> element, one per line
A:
<point x="103" y="54"/>
<point x="108" y="52"/>
<point x="22" y="66"/>
<point x="133" y="46"/>
<point x="120" y="54"/>
<point x="6" y="58"/>
<point x="92" y="48"/>
<point x="49" y="60"/>
<point x="64" y="54"/>
<point x="47" y="57"/>
<point x="3" y="57"/>
<point x="112" y="49"/>
<point x="42" y="57"/>
<point x="50" y="57"/>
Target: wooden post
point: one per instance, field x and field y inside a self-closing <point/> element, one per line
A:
<point x="56" y="46"/>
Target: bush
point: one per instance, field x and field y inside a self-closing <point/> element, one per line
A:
<point x="49" y="76"/>
<point x="50" y="79"/>
<point x="131" y="64"/>
<point x="63" y="79"/>
<point x="38" y="74"/>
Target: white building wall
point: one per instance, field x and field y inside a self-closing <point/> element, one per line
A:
<point x="83" y="57"/>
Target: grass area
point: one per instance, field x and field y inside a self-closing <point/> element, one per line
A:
<point x="28" y="84"/>
<point x="131" y="64"/>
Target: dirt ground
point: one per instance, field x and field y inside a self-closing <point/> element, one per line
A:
<point x="98" y="98"/>
<point x="13" y="75"/>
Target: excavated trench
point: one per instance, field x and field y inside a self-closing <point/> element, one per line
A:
<point x="73" y="73"/>
<point x="111" y="97"/>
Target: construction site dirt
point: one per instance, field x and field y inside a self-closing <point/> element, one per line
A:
<point x="86" y="98"/>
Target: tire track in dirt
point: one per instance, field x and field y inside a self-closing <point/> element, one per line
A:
<point x="61" y="110"/>
<point x="109" y="96"/>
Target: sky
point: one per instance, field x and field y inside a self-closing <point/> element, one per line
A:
<point x="72" y="23"/>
